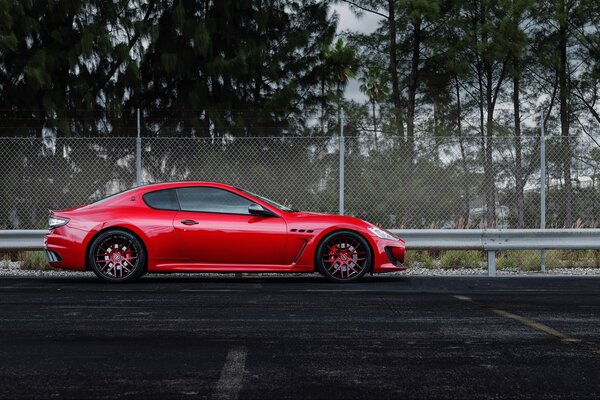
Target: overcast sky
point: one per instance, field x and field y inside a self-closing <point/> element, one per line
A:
<point x="367" y="23"/>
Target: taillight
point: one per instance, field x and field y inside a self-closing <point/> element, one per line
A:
<point x="55" y="222"/>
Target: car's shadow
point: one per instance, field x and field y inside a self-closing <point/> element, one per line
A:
<point x="227" y="279"/>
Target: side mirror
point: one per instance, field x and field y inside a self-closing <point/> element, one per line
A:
<point x="257" y="209"/>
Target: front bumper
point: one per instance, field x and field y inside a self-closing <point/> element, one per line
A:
<point x="395" y="255"/>
<point x="390" y="256"/>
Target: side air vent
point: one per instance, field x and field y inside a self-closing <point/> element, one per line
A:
<point x="302" y="230"/>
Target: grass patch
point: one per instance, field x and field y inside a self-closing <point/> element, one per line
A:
<point x="34" y="260"/>
<point x="530" y="260"/>
<point x="5" y="260"/>
<point x="577" y="259"/>
<point x="523" y="260"/>
<point x="416" y="258"/>
<point x="462" y="259"/>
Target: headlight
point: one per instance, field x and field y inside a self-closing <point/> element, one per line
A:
<point x="55" y="222"/>
<point x="381" y="233"/>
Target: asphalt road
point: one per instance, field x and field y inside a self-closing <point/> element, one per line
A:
<point x="296" y="338"/>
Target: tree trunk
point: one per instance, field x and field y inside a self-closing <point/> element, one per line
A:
<point x="482" y="127"/>
<point x="322" y="107"/>
<point x="519" y="181"/>
<point x="489" y="164"/>
<point x="487" y="70"/>
<point x="564" y="112"/>
<point x="374" y="119"/>
<point x="412" y="85"/>
<point x="465" y="176"/>
<point x="394" y="67"/>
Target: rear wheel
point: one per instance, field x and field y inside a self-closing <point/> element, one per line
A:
<point x="117" y="256"/>
<point x="344" y="256"/>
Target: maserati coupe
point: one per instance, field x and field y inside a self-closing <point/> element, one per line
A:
<point x="213" y="227"/>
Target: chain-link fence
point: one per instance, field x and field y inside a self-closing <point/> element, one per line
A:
<point x="435" y="182"/>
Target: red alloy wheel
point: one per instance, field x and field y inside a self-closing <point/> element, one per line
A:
<point x="117" y="256"/>
<point x="344" y="256"/>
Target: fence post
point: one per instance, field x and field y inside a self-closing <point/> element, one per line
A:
<point x="342" y="162"/>
<point x="542" y="185"/>
<point x="138" y="152"/>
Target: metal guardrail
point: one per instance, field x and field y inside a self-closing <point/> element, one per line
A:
<point x="21" y="240"/>
<point x="493" y="240"/>
<point x="499" y="239"/>
<point x="488" y="240"/>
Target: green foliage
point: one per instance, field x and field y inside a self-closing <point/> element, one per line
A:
<point x="221" y="69"/>
<point x="525" y="260"/>
<point x="462" y="259"/>
<point x="5" y="260"/>
<point x="577" y="259"/>
<point x="33" y="260"/>
<point x="216" y="68"/>
<point x="421" y="259"/>
<point x="8" y="42"/>
<point x="519" y="260"/>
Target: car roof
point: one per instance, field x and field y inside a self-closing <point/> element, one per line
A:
<point x="169" y="185"/>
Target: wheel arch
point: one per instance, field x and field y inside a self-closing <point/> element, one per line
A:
<point x="338" y="230"/>
<point x="114" y="228"/>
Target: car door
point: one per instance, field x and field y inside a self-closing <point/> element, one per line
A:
<point x="214" y="226"/>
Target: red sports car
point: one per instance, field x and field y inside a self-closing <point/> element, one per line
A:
<point x="213" y="227"/>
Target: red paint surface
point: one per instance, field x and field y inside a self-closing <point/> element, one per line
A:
<point x="218" y="243"/>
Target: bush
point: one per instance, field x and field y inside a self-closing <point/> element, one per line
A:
<point x="523" y="260"/>
<point x="526" y="260"/>
<point x="462" y="259"/>
<point x="5" y="260"/>
<point x="505" y="260"/>
<point x="34" y="260"/>
<point x="419" y="259"/>
<point x="578" y="258"/>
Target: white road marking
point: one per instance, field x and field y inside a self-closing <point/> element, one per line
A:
<point x="232" y="374"/>
<point x="534" y="325"/>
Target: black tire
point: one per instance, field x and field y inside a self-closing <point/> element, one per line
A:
<point x="344" y="256"/>
<point x="117" y="255"/>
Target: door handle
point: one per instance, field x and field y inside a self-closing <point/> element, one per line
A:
<point x="189" y="222"/>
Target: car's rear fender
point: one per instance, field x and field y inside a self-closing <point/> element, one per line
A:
<point x="106" y="226"/>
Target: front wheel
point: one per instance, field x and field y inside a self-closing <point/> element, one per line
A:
<point x="344" y="256"/>
<point x="117" y="256"/>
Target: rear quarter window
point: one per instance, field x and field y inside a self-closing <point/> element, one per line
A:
<point x="162" y="199"/>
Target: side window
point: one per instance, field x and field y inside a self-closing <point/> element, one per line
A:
<point x="162" y="199"/>
<point x="213" y="200"/>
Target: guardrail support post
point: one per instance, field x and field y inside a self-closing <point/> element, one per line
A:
<point x="491" y="260"/>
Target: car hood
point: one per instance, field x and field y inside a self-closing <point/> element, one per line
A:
<point x="336" y="217"/>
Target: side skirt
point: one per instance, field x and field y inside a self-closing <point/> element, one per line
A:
<point x="200" y="267"/>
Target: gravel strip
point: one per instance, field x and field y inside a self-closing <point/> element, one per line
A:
<point x="12" y="268"/>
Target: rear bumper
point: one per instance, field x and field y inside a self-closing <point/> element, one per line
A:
<point x="52" y="256"/>
<point x="65" y="249"/>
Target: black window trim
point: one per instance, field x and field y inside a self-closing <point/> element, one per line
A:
<point x="162" y="190"/>
<point x="203" y="212"/>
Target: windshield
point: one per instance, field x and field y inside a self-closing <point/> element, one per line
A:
<point x="271" y="202"/>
